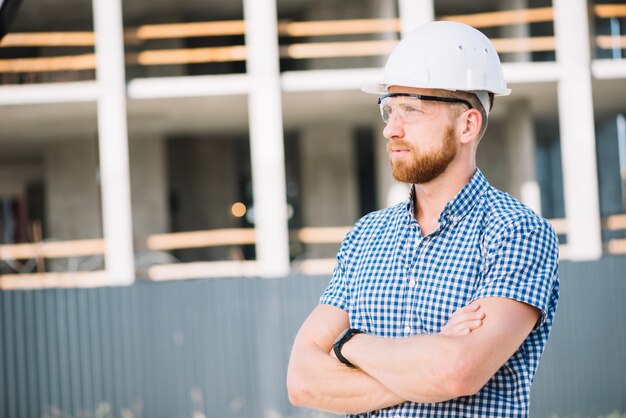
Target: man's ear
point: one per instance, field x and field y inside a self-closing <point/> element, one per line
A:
<point x="470" y="123"/>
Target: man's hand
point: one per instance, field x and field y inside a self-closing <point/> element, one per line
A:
<point x="316" y="379"/>
<point x="332" y="353"/>
<point x="464" y="321"/>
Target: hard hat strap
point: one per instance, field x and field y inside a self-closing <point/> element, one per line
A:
<point x="483" y="96"/>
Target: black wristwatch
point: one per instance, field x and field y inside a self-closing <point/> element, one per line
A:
<point x="349" y="333"/>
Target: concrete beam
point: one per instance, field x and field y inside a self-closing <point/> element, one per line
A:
<point x="188" y="86"/>
<point x="113" y="141"/>
<point x="78" y="91"/>
<point x="414" y="13"/>
<point x="266" y="138"/>
<point x="576" y="121"/>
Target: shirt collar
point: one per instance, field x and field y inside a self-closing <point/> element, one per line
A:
<point x="461" y="204"/>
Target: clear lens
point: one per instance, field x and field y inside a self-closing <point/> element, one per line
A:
<point x="412" y="107"/>
<point x="409" y="109"/>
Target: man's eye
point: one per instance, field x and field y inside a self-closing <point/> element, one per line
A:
<point x="405" y="108"/>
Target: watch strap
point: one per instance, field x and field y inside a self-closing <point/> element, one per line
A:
<point x="350" y="332"/>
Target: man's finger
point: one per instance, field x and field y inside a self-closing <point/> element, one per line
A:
<point x="467" y="316"/>
<point x="472" y="307"/>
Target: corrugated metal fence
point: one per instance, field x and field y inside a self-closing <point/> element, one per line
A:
<point x="219" y="348"/>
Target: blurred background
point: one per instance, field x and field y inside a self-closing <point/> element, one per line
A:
<point x="176" y="178"/>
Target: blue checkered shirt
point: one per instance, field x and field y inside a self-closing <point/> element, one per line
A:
<point x="394" y="283"/>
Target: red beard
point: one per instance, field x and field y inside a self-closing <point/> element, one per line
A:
<point x="423" y="167"/>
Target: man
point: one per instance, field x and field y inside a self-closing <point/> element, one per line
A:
<point x="448" y="298"/>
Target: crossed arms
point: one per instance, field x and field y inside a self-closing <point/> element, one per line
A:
<point x="421" y="368"/>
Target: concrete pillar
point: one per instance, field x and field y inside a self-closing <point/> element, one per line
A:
<point x="576" y="122"/>
<point x="384" y="9"/>
<point x="266" y="138"/>
<point x="414" y="13"/>
<point x="113" y="142"/>
<point x="520" y="137"/>
<point x="72" y="201"/>
<point x="621" y="144"/>
<point x="148" y="175"/>
<point x="328" y="170"/>
<point x="517" y="31"/>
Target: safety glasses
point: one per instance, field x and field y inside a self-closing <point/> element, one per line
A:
<point x="410" y="107"/>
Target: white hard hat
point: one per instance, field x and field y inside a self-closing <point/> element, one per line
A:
<point x="444" y="55"/>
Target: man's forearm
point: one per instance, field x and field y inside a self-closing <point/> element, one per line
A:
<point x="317" y="380"/>
<point x="416" y="368"/>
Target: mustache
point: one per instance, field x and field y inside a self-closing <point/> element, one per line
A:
<point x="398" y="143"/>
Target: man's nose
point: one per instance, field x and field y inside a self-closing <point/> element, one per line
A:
<point x="394" y="127"/>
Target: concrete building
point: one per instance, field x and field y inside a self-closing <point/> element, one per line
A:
<point x="139" y="134"/>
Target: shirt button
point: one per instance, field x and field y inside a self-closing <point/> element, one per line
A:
<point x="412" y="282"/>
<point x="407" y="330"/>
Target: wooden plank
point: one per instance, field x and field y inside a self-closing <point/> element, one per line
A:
<point x="617" y="246"/>
<point x="322" y="235"/>
<point x="189" y="55"/>
<point x="564" y="253"/>
<point x="144" y="32"/>
<point x="196" y="239"/>
<point x="315" y="267"/>
<point x="610" y="10"/>
<point x="45" y="64"/>
<point x="339" y="27"/>
<point x="337" y="49"/>
<point x="190" y="30"/>
<point x="559" y="225"/>
<point x="534" y="44"/>
<point x="201" y="270"/>
<point x="35" y="39"/>
<point x="74" y="248"/>
<point x="615" y="222"/>
<point x="56" y="280"/>
<point x="610" y="42"/>
<point x="383" y="47"/>
<point x="20" y="251"/>
<point x="52" y="249"/>
<point x="153" y="57"/>
<point x="504" y="17"/>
